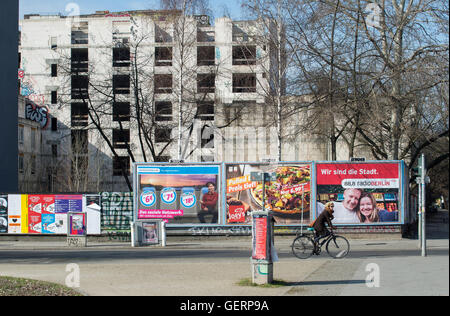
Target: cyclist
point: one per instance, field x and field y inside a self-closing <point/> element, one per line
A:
<point x="324" y="218"/>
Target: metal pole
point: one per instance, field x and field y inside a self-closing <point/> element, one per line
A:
<point x="419" y="212"/>
<point x="424" y="235"/>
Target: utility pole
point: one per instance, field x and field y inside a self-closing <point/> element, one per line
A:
<point x="423" y="180"/>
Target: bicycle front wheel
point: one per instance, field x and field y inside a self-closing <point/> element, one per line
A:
<point x="303" y="247"/>
<point x="338" y="247"/>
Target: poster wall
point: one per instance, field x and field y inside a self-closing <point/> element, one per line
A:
<point x="362" y="193"/>
<point x="3" y="214"/>
<point x="45" y="214"/>
<point x="288" y="197"/>
<point x="178" y="194"/>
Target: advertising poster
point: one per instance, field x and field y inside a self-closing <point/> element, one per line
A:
<point x="178" y="194"/>
<point x="68" y="203"/>
<point x="34" y="214"/>
<point x="362" y="193"/>
<point x="48" y="214"/>
<point x="14" y="214"/>
<point x="24" y="213"/>
<point x="150" y="233"/>
<point x="288" y="197"/>
<point x="260" y="238"/>
<point x="3" y="214"/>
<point x="77" y="224"/>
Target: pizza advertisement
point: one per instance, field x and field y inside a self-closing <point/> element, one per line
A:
<point x="288" y="197"/>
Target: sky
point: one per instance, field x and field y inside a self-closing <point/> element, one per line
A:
<point x="65" y="7"/>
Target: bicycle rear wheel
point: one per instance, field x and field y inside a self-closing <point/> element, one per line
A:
<point x="338" y="247"/>
<point x="303" y="247"/>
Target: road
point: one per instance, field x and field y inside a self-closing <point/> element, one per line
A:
<point x="213" y="267"/>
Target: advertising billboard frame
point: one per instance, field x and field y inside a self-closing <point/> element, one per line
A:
<point x="402" y="191"/>
<point x="269" y="163"/>
<point x="137" y="192"/>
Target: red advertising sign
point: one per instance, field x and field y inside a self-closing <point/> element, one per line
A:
<point x="338" y="174"/>
<point x="362" y="193"/>
<point x="236" y="214"/>
<point x="260" y="238"/>
<point x="48" y="204"/>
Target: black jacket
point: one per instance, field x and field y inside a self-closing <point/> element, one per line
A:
<point x="324" y="217"/>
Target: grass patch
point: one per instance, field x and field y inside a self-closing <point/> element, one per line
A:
<point x="274" y="284"/>
<point x="26" y="287"/>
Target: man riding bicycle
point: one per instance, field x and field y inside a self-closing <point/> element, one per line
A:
<point x="324" y="218"/>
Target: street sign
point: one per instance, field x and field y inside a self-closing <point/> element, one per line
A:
<point x="263" y="176"/>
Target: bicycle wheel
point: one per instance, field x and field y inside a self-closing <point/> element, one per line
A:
<point x="338" y="247"/>
<point x="303" y="247"/>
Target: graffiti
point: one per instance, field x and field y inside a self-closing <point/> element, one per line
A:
<point x="205" y="231"/>
<point x="119" y="236"/>
<point x="36" y="113"/>
<point x="26" y="89"/>
<point x="117" y="210"/>
<point x="76" y="241"/>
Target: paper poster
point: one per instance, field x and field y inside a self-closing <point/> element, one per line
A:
<point x="3" y="214"/>
<point x="34" y="214"/>
<point x="260" y="238"/>
<point x="150" y="233"/>
<point x="24" y="213"/>
<point x="14" y="214"/>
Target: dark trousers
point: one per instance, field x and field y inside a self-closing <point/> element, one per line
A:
<point x="211" y="211"/>
<point x="321" y="234"/>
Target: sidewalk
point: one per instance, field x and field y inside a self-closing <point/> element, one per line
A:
<point x="402" y="270"/>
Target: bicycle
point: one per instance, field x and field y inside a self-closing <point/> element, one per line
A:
<point x="304" y="246"/>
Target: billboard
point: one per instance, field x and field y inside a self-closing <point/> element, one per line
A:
<point x="178" y="194"/>
<point x="45" y="214"/>
<point x="362" y="193"/>
<point x="288" y="197"/>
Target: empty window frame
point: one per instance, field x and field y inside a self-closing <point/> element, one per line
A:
<point x="54" y="97"/>
<point x="206" y="35"/>
<point x="163" y="111"/>
<point x="21" y="134"/>
<point x="121" y="138"/>
<point x="119" y="164"/>
<point x="162" y="134"/>
<point x="162" y="34"/>
<point x="80" y="86"/>
<point x="244" y="83"/>
<point x="79" y="60"/>
<point x="54" y="70"/>
<point x="205" y="110"/>
<point x="206" y="83"/>
<point x="121" y="84"/>
<point x="21" y="163"/>
<point x="79" y="34"/>
<point x="162" y="159"/>
<point x="121" y="57"/>
<point x="79" y="114"/>
<point x="207" y="137"/>
<point x="80" y="142"/>
<point x="207" y="158"/>
<point x="54" y="124"/>
<point x="121" y="111"/>
<point x="244" y="55"/>
<point x="163" y="56"/>
<point x="206" y="55"/>
<point x="163" y="83"/>
<point x="53" y="42"/>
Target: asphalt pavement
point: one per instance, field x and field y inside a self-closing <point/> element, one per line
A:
<point x="214" y="266"/>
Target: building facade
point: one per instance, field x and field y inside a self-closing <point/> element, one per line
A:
<point x="149" y="86"/>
